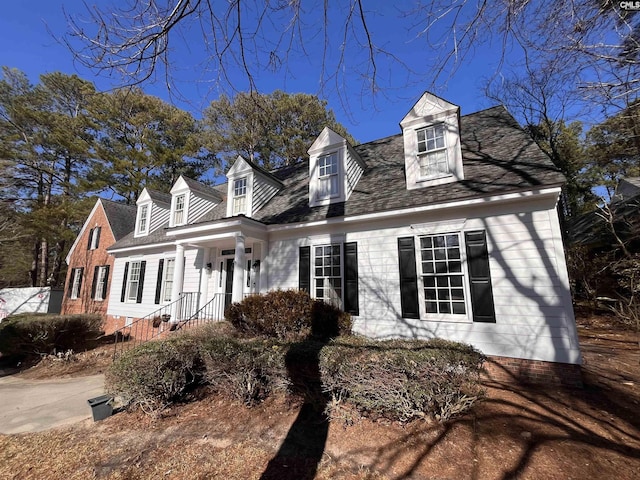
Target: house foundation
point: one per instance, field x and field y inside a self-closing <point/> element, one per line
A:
<point x="518" y="370"/>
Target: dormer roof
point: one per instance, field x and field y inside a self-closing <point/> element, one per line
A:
<point x="327" y="138"/>
<point x="242" y="165"/>
<point x="155" y="195"/>
<point x="429" y="108"/>
<point x="195" y="186"/>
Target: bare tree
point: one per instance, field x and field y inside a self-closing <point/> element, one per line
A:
<point x="243" y="36"/>
<point x="138" y="40"/>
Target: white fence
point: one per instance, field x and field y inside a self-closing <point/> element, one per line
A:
<point x="29" y="300"/>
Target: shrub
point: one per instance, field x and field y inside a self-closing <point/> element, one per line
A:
<point x="156" y="374"/>
<point x="402" y="380"/>
<point x="396" y="379"/>
<point x="287" y="315"/>
<point x="26" y="335"/>
<point x="248" y="371"/>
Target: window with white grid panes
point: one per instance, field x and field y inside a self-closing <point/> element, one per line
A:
<point x="442" y="274"/>
<point x="101" y="283"/>
<point x="133" y="281"/>
<point x="328" y="176"/>
<point x="178" y="213"/>
<point x="432" y="151"/>
<point x="328" y="274"/>
<point x="77" y="278"/>
<point x="142" y="218"/>
<point x="240" y="196"/>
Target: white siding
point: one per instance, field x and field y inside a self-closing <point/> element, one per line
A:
<point x="354" y="172"/>
<point x="262" y="193"/>
<point x="192" y="271"/>
<point x="159" y="216"/>
<point x="198" y="206"/>
<point x="534" y="318"/>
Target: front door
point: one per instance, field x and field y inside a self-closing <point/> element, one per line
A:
<point x="228" y="287"/>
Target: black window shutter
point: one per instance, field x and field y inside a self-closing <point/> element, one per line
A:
<point x="351" y="304"/>
<point x="98" y="230"/>
<point x="124" y="282"/>
<point x="479" y="277"/>
<point x="105" y="282"/>
<point x="143" y="265"/>
<point x="94" y="283"/>
<point x="159" y="280"/>
<point x="89" y="239"/>
<point x="80" y="272"/>
<point x="408" y="278"/>
<point x="304" y="271"/>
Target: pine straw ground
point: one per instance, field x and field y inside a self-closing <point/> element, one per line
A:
<point x="517" y="432"/>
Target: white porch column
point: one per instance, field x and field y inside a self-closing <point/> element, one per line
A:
<point x="238" y="270"/>
<point x="263" y="278"/>
<point x="205" y="275"/>
<point x="178" y="279"/>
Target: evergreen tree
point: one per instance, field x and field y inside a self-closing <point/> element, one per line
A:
<point x="614" y="148"/>
<point x="271" y="130"/>
<point x="142" y="141"/>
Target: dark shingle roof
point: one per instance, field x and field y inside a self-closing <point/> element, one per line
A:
<point x="498" y="157"/>
<point x="160" y="197"/>
<point x="198" y="187"/>
<point x="121" y="217"/>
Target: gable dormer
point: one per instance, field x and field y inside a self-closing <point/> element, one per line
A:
<point x="249" y="188"/>
<point x="190" y="200"/>
<point x="334" y="169"/>
<point x="153" y="212"/>
<point x="432" y="152"/>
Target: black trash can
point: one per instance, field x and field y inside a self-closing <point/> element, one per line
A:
<point x="100" y="407"/>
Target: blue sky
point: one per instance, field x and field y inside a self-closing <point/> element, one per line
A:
<point x="26" y="43"/>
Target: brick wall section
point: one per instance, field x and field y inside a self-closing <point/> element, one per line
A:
<point x="88" y="259"/>
<point x="516" y="370"/>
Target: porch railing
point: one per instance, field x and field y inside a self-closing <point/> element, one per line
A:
<point x="213" y="310"/>
<point x="156" y="323"/>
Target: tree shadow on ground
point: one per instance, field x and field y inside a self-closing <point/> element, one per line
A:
<point x="303" y="447"/>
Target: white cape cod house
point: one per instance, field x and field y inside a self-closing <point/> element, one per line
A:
<point x="448" y="229"/>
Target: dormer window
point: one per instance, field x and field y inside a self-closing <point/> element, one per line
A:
<point x="328" y="176"/>
<point x="432" y="151"/>
<point x="178" y="213"/>
<point x="431" y="138"/>
<point x="240" y="196"/>
<point x="143" y="219"/>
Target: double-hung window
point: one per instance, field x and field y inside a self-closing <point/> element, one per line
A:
<point x="101" y="273"/>
<point x="94" y="238"/>
<point x="328" y="176"/>
<point x="240" y="196"/>
<point x="143" y="219"/>
<point x="133" y="281"/>
<point x="167" y="281"/>
<point x="178" y="212"/>
<point x="76" y="283"/>
<point x="432" y="151"/>
<point x="328" y="274"/>
<point x="446" y="276"/>
<point x="442" y="274"/>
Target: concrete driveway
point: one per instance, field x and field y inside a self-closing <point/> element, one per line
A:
<point x="36" y="405"/>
